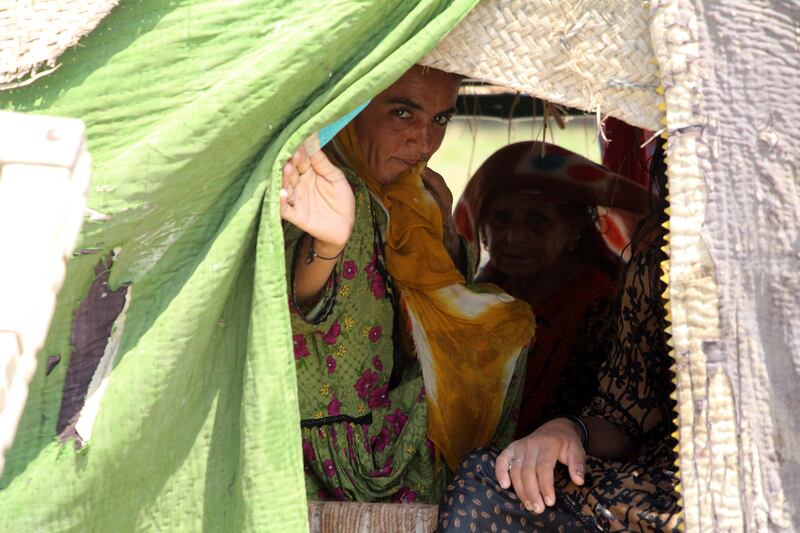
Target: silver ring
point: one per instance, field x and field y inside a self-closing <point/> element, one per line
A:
<point x="512" y="461"/>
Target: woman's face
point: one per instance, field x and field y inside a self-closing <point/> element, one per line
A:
<point x="527" y="233"/>
<point x="405" y="124"/>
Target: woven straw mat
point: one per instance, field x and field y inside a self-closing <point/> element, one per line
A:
<point x="591" y="55"/>
<point x="33" y="33"/>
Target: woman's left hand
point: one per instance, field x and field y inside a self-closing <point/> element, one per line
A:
<point x="435" y="184"/>
<point x="529" y="463"/>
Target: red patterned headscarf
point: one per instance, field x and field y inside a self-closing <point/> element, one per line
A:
<point x="543" y="168"/>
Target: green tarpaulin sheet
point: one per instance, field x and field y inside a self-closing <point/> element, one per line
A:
<point x="191" y="107"/>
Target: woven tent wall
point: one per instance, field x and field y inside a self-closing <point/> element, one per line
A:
<point x="594" y="56"/>
<point x="730" y="72"/>
<point x="34" y="34"/>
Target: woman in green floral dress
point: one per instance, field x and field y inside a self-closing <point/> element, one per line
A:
<point x="364" y="411"/>
<point x="360" y="440"/>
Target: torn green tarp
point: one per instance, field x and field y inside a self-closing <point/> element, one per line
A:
<point x="190" y="109"/>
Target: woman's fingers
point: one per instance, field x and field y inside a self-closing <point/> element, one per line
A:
<point x="530" y="480"/>
<point x="312" y="144"/>
<point x="301" y="161"/>
<point x="576" y="461"/>
<point x="502" y="466"/>
<point x="513" y="463"/>
<point x="286" y="208"/>
<point x="544" y="473"/>
<point x="518" y="482"/>
<point x="323" y="167"/>
<point x="529" y="463"/>
<point x="290" y="176"/>
<point x="287" y="192"/>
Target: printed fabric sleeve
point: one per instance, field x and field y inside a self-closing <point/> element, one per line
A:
<point x="630" y="381"/>
<point x="321" y="313"/>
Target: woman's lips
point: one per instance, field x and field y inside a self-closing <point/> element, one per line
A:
<point x="507" y="258"/>
<point x="407" y="162"/>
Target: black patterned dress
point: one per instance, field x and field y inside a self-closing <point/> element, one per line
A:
<point x="635" y="383"/>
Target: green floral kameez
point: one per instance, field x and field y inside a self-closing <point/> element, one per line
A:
<point x="362" y="439"/>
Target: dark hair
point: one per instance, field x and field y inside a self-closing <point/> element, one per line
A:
<point x="648" y="238"/>
<point x="649" y="227"/>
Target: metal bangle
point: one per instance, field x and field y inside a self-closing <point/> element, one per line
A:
<point x="581" y="425"/>
<point x="312" y="254"/>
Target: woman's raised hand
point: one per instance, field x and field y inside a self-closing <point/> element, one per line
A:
<point x="317" y="198"/>
<point x="528" y="464"/>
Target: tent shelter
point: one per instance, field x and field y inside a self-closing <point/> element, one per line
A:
<point x="191" y="106"/>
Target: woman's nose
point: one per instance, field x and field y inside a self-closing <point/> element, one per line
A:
<point x="518" y="234"/>
<point x="422" y="138"/>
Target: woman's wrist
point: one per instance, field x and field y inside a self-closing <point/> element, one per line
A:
<point x="580" y="427"/>
<point x="326" y="249"/>
<point x="326" y="252"/>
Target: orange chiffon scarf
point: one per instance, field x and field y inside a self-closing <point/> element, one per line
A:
<point x="467" y="338"/>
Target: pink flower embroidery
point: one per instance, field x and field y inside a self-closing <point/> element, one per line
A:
<point x="378" y="288"/>
<point x="429" y="445"/>
<point x="349" y="269"/>
<point x="379" y="398"/>
<point x="334" y="406"/>
<point x="327" y="466"/>
<point x="385" y="471"/>
<point x="300" y="347"/>
<point x="333" y="333"/>
<point x="397" y="421"/>
<point x="365" y="435"/>
<point x="405" y="495"/>
<point x="308" y="452"/>
<point x="380" y="440"/>
<point x="375" y="333"/>
<point x="377" y="363"/>
<point x="339" y="494"/>
<point x="330" y="362"/>
<point x="365" y="383"/>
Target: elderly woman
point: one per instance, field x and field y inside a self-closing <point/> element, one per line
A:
<point x="613" y="469"/>
<point x="533" y="206"/>
<point x="399" y="362"/>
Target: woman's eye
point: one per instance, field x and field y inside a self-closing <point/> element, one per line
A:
<point x="537" y="221"/>
<point x="501" y="218"/>
<point x="442" y="120"/>
<point x="401" y="113"/>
